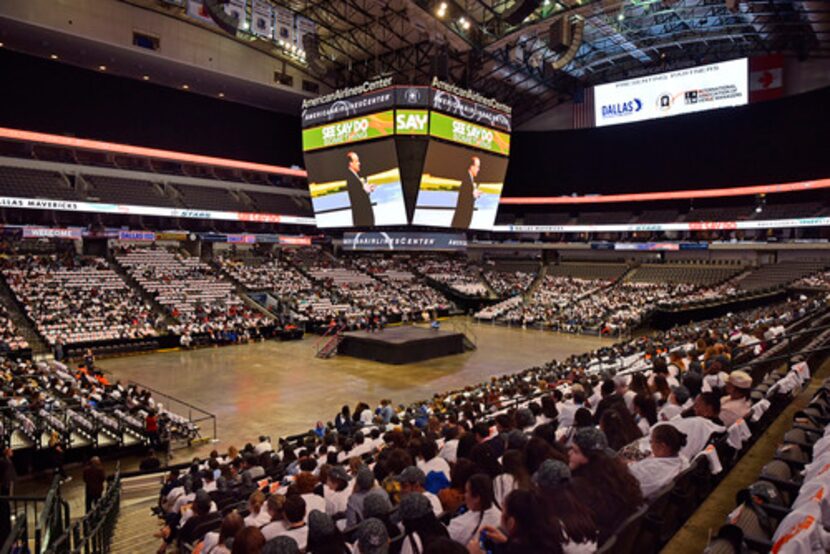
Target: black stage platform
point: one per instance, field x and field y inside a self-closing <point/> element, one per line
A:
<point x="401" y="345"/>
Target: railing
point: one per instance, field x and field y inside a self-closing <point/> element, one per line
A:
<point x="43" y="518"/>
<point x="18" y="538"/>
<point x="201" y="414"/>
<point x="325" y="340"/>
<point x="92" y="534"/>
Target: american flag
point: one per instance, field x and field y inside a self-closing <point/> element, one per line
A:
<point x="583" y="108"/>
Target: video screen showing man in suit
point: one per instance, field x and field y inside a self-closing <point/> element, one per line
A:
<point x="468" y="193"/>
<point x="460" y="187"/>
<point x="356" y="185"/>
<point x="359" y="193"/>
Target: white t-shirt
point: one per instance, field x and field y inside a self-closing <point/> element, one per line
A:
<point x="336" y="502"/>
<point x="449" y="451"/>
<point x="503" y="485"/>
<point x="467" y="525"/>
<point x="258" y="520"/>
<point x="654" y="473"/>
<point x="436" y="464"/>
<point x="299" y="534"/>
<point x="273" y="529"/>
<point x="313" y="502"/>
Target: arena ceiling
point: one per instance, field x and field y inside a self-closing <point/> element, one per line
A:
<point x="521" y="65"/>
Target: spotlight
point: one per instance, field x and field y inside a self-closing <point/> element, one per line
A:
<point x="53" y="56"/>
<point x="759" y="209"/>
<point x="442" y="10"/>
<point x="621" y="16"/>
<point x="102" y="67"/>
<point x="145" y="77"/>
<point x="462" y="21"/>
<point x="221" y="95"/>
<point x="186" y="86"/>
<point x="1" y="45"/>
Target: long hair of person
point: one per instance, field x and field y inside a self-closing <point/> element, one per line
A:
<point x="611" y="478"/>
<point x="428" y="528"/>
<point x="566" y="512"/>
<point x="533" y="525"/>
<point x="514" y="464"/>
<point x="639" y="384"/>
<point x="328" y="544"/>
<point x="647" y="406"/>
<point x="536" y="451"/>
<point x="483" y="456"/>
<point x="619" y="427"/>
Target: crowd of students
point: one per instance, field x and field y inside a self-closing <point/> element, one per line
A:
<point x="551" y="459"/>
<point x="74" y="299"/>
<point x="55" y="399"/>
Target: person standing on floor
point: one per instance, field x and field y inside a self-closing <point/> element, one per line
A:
<point x="94" y="478"/>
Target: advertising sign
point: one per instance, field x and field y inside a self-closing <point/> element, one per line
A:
<point x="52" y="233"/>
<point x="348" y="107"/>
<point x="695" y="89"/>
<point x="456" y="130"/>
<point x="404" y="241"/>
<point x="467" y="109"/>
<point x="349" y="131"/>
<point x="411" y="122"/>
<point x="145" y="236"/>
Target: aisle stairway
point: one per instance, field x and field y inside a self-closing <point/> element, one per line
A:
<point x="158" y="309"/>
<point x="23" y="324"/>
<point x="136" y="524"/>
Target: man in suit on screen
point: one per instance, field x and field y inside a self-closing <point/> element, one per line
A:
<point x="359" y="190"/>
<point x="467" y="195"/>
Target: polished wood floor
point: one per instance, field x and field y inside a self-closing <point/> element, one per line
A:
<point x="281" y="388"/>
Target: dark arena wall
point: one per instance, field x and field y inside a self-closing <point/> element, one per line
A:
<point x="769" y="142"/>
<point x="57" y="98"/>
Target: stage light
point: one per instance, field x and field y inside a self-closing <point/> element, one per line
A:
<point x="53" y="56"/>
<point x="462" y="21"/>
<point x="186" y="87"/>
<point x="442" y="10"/>
<point x="221" y="95"/>
<point x="759" y="209"/>
<point x="145" y="77"/>
<point x="102" y="67"/>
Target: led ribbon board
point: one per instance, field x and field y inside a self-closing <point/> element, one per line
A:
<point x="469" y="134"/>
<point x="349" y="131"/>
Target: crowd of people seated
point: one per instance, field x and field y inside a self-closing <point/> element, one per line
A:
<point x="509" y="283"/>
<point x="75" y="299"/>
<point x="356" y="291"/>
<point x="10" y="338"/>
<point x="551" y="296"/>
<point x="193" y="293"/>
<point x="268" y="274"/>
<point x="816" y="281"/>
<point x="56" y="399"/>
<point x="456" y="273"/>
<point x="551" y="459"/>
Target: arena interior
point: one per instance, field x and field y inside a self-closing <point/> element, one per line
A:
<point x="414" y="276"/>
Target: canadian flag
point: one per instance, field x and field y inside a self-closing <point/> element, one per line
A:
<point x="766" y="78"/>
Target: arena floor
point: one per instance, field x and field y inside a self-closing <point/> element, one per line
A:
<point x="281" y="388"/>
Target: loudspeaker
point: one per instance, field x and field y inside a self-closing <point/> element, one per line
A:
<point x="225" y="21"/>
<point x="519" y="11"/>
<point x="560" y="35"/>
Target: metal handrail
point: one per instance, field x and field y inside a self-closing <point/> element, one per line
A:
<point x="19" y="533"/>
<point x="205" y="415"/>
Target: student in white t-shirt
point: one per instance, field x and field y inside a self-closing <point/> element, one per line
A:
<point x="478" y="497"/>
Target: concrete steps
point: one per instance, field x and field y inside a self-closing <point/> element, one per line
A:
<point x="136" y="524"/>
<point x="24" y="326"/>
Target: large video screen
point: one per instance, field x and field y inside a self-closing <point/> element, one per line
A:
<point x="354" y="180"/>
<point x="356" y="185"/>
<point x="695" y="89"/>
<point x="460" y="187"/>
